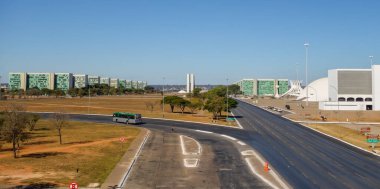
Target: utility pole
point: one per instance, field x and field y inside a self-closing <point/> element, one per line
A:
<point x="227" y="100"/>
<point x="306" y="62"/>
<point x="163" y="97"/>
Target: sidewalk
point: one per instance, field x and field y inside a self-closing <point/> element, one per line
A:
<point x="121" y="170"/>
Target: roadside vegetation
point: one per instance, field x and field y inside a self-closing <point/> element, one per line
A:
<point x="88" y="153"/>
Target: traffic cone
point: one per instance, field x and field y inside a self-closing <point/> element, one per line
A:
<point x="266" y="167"/>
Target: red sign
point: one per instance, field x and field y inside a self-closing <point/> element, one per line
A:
<point x="122" y="139"/>
<point x="73" y="185"/>
<point x="365" y="129"/>
<point x="372" y="136"/>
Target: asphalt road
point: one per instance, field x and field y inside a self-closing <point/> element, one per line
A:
<point x="303" y="157"/>
<point x="160" y="164"/>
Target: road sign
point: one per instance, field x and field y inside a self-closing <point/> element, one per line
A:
<point x="365" y="129"/>
<point x="73" y="185"/>
<point x="371" y="138"/>
<point x="122" y="139"/>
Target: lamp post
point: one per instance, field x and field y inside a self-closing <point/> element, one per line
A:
<point x="227" y="100"/>
<point x="371" y="59"/>
<point x="163" y="97"/>
<point x="306" y="62"/>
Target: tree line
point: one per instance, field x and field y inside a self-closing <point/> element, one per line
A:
<point x="17" y="125"/>
<point x="215" y="100"/>
<point x="93" y="90"/>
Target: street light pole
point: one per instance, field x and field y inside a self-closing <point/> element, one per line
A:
<point x="371" y="57"/>
<point x="306" y="62"/>
<point x="227" y="99"/>
<point x="163" y="97"/>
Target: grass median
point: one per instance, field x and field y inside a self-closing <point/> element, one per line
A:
<point x="88" y="154"/>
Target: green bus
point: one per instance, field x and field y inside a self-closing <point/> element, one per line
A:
<point x="125" y="117"/>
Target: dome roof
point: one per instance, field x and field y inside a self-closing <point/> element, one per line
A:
<point x="318" y="90"/>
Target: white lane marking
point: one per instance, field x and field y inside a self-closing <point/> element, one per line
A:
<point x="247" y="153"/>
<point x="232" y="138"/>
<point x="283" y="185"/>
<point x="258" y="175"/>
<point x="191" y="162"/>
<point x="237" y="121"/>
<point x="183" y="147"/>
<point x="241" y="143"/>
<point x="209" y="132"/>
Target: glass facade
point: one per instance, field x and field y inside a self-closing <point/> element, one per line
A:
<point x="128" y="84"/>
<point x="247" y="87"/>
<point x="283" y="86"/>
<point x="123" y="84"/>
<point x="39" y="80"/>
<point x="93" y="80"/>
<point x="15" y="81"/>
<point x="63" y="81"/>
<point x="265" y="87"/>
<point x="80" y="81"/>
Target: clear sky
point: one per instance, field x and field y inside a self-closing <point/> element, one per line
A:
<point x="214" y="39"/>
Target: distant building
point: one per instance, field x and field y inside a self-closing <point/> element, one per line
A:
<point x="134" y="84"/>
<point x="190" y="83"/>
<point x="352" y="89"/>
<point x="17" y="81"/>
<point x="263" y="87"/>
<point x="114" y="83"/>
<point x="93" y="80"/>
<point x="40" y="80"/>
<point x="128" y="84"/>
<point x="105" y="80"/>
<point x="80" y="80"/>
<point x="63" y="81"/>
<point x="123" y="84"/>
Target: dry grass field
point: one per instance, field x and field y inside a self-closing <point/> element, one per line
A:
<point x="92" y="148"/>
<point x="110" y="104"/>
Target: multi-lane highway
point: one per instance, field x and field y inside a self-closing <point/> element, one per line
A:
<point x="303" y="157"/>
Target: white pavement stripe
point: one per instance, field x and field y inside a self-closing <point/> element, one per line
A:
<point x="241" y="143"/>
<point x="209" y="132"/>
<point x="232" y="138"/>
<point x="184" y="152"/>
<point x="261" y="177"/>
<point x="237" y="121"/>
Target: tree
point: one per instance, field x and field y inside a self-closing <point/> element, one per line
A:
<point x="215" y="106"/>
<point x="58" y="93"/>
<point x="149" y="89"/>
<point x="150" y="105"/>
<point x="59" y="121"/>
<point x="195" y="105"/>
<point x="81" y="93"/>
<point x="32" y="121"/>
<point x="113" y="91"/>
<point x="197" y="92"/>
<point x="171" y="100"/>
<point x="234" y="89"/>
<point x="181" y="103"/>
<point x="14" y="126"/>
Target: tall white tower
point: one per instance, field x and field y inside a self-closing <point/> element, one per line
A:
<point x="190" y="83"/>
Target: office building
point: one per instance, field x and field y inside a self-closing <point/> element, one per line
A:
<point x="190" y="83"/>
<point x="80" y="80"/>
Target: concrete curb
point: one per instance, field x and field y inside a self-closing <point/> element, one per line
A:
<point x="120" y="173"/>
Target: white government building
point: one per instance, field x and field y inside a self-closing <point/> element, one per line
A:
<point x="346" y="89"/>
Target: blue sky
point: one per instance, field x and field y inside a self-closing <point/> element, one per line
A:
<point x="214" y="39"/>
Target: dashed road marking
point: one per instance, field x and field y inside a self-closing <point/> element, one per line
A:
<point x="230" y="137"/>
<point x="241" y="143"/>
<point x="209" y="132"/>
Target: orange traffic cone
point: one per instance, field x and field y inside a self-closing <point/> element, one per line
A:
<point x="266" y="167"/>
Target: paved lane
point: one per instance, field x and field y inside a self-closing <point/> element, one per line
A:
<point x="305" y="158"/>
